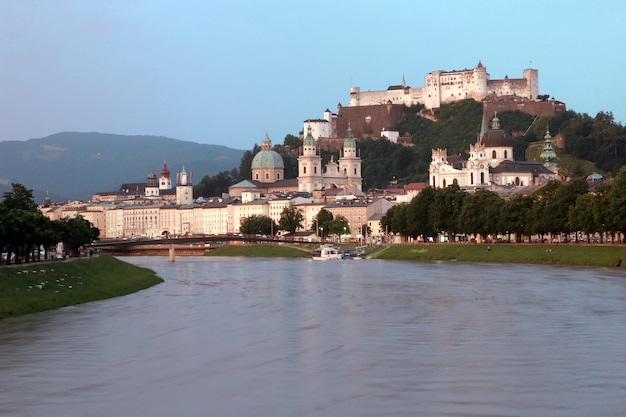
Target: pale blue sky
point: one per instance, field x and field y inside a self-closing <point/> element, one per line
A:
<point x="224" y="72"/>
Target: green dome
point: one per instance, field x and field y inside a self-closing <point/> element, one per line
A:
<point x="309" y="140"/>
<point x="266" y="157"/>
<point x="349" y="142"/>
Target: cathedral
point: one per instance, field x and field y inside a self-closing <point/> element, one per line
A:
<point x="268" y="170"/>
<point x="344" y="173"/>
<point x="491" y="163"/>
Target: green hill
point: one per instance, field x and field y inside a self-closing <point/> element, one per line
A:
<point x="73" y="165"/>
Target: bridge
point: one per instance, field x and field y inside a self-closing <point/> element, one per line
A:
<point x="191" y="245"/>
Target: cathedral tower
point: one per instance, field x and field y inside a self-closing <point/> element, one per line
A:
<point x="350" y="164"/>
<point x="309" y="165"/>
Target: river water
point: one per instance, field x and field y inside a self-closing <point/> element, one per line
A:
<point x="280" y="337"/>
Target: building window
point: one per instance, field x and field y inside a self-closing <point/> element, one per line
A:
<point x="493" y="154"/>
<point x="315" y="170"/>
<point x="256" y="176"/>
<point x="472" y="178"/>
<point x="267" y="176"/>
<point x="304" y="170"/>
<point x="354" y="171"/>
<point x="506" y="155"/>
<point x="444" y="184"/>
<point x="482" y="177"/>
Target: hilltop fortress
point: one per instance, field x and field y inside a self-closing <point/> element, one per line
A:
<point x="442" y="87"/>
<point x="376" y="113"/>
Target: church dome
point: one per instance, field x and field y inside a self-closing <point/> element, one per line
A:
<point x="309" y="140"/>
<point x="349" y="142"/>
<point x="266" y="157"/>
<point x="165" y="172"/>
<point x="496" y="137"/>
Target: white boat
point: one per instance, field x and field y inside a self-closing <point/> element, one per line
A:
<point x="327" y="253"/>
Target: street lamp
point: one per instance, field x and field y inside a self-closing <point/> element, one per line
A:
<point x="344" y="233"/>
<point x="322" y="233"/>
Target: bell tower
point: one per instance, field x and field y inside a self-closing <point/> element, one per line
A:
<point x="309" y="165"/>
<point x="184" y="189"/>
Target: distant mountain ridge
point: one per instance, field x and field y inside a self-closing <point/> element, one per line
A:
<point x="75" y="165"/>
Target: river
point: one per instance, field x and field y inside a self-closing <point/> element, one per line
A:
<point x="284" y="338"/>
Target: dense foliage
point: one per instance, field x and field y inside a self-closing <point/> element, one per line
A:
<point x="561" y="210"/>
<point x="591" y="144"/>
<point x="258" y="225"/>
<point x="291" y="219"/>
<point x="24" y="230"/>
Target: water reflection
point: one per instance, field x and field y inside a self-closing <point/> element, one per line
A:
<point x="258" y="337"/>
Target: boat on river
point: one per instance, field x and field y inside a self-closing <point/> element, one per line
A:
<point x="327" y="253"/>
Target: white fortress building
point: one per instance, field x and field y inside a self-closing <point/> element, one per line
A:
<point x="442" y="87"/>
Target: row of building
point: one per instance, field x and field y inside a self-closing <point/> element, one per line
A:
<point x="159" y="206"/>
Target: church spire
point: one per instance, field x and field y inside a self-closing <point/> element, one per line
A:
<point x="266" y="145"/>
<point x="547" y="154"/>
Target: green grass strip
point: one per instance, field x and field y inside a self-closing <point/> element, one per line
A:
<point x="558" y="254"/>
<point x="31" y="288"/>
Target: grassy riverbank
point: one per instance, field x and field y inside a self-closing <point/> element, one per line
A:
<point x="30" y="288"/>
<point x="587" y="255"/>
<point x="269" y="251"/>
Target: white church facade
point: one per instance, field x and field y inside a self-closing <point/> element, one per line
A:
<point x="490" y="163"/>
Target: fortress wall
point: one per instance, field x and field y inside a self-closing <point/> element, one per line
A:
<point x="510" y="87"/>
<point x="540" y="108"/>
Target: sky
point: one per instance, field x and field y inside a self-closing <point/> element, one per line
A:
<point x="225" y="72"/>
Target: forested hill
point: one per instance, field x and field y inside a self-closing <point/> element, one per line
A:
<point x="591" y="143"/>
<point x="75" y="165"/>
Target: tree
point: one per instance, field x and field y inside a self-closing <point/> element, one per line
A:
<point x="19" y="198"/>
<point x="515" y="216"/>
<point x="395" y="219"/>
<point x="77" y="232"/>
<point x="258" y="225"/>
<point x="216" y="185"/>
<point x="558" y="205"/>
<point x="447" y="207"/>
<point x="582" y="216"/>
<point x="338" y="226"/>
<point x="290" y="219"/>
<point x="292" y="141"/>
<point x="322" y="223"/>
<point x="617" y="197"/>
<point x="419" y="218"/>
